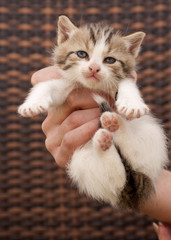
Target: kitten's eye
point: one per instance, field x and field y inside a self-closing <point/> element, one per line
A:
<point x="82" y="54"/>
<point x="109" y="60"/>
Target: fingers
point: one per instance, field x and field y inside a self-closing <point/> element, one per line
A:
<point x="55" y="117"/>
<point x="66" y="129"/>
<point x="55" y="133"/>
<point x="163" y="231"/>
<point x="71" y="125"/>
<point x="45" y="74"/>
<point x="71" y="141"/>
<point x="81" y="99"/>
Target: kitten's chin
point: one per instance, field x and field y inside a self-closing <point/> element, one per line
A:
<point x="91" y="82"/>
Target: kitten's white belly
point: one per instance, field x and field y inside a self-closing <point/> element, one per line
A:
<point x="99" y="174"/>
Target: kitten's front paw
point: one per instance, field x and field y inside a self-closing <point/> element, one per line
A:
<point x="32" y="109"/>
<point x="131" y="110"/>
<point x="103" y="139"/>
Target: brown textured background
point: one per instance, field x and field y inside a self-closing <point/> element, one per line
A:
<point x="36" y="200"/>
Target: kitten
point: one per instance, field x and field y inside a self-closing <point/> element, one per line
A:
<point x="123" y="160"/>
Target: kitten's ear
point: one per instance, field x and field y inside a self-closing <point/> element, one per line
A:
<point x="134" y="42"/>
<point x="65" y="29"/>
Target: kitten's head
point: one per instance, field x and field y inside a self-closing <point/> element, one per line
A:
<point x="95" y="55"/>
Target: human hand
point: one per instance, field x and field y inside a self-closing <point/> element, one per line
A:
<point x="163" y="231"/>
<point x="71" y="125"/>
<point x="67" y="128"/>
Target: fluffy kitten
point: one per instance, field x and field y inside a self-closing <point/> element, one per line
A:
<point x="123" y="160"/>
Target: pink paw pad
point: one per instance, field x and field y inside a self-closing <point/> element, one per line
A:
<point x="105" y="140"/>
<point x="110" y="122"/>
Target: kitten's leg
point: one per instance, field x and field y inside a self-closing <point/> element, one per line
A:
<point x="43" y="96"/>
<point x="100" y="174"/>
<point x="124" y="174"/>
<point x="139" y="186"/>
<point x="141" y="141"/>
<point x="97" y="170"/>
<point x="129" y="101"/>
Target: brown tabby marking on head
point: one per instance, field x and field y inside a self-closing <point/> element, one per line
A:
<point x="65" y="59"/>
<point x="89" y="36"/>
<point x="92" y="36"/>
<point x="99" y="41"/>
<point x="69" y="66"/>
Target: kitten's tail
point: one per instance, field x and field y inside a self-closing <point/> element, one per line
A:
<point x="103" y="104"/>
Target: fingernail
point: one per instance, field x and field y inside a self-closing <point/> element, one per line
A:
<point x="161" y="224"/>
<point x="156" y="227"/>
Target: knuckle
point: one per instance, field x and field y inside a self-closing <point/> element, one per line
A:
<point x="45" y="126"/>
<point x="47" y="123"/>
<point x="61" y="156"/>
<point x="71" y="99"/>
<point x="60" y="163"/>
<point x="35" y="77"/>
<point x="67" y="141"/>
<point x="49" y="145"/>
<point x="73" y="119"/>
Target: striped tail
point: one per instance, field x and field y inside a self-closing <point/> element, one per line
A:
<point x="103" y="104"/>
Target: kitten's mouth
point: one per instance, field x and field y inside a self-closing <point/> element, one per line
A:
<point x="93" y="77"/>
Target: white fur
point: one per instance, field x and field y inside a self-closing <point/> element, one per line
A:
<point x="101" y="174"/>
<point x="44" y="96"/>
<point x="128" y="105"/>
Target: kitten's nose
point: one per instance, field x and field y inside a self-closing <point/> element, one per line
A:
<point x="94" y="68"/>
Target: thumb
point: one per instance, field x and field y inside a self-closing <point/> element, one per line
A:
<point x="45" y="74"/>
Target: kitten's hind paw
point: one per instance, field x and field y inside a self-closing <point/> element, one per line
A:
<point x="103" y="139"/>
<point x="110" y="121"/>
<point x="31" y="110"/>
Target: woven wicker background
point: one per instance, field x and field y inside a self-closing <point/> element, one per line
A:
<point x="36" y="200"/>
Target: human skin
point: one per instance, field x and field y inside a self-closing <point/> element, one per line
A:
<point x="79" y="116"/>
<point x="163" y="231"/>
